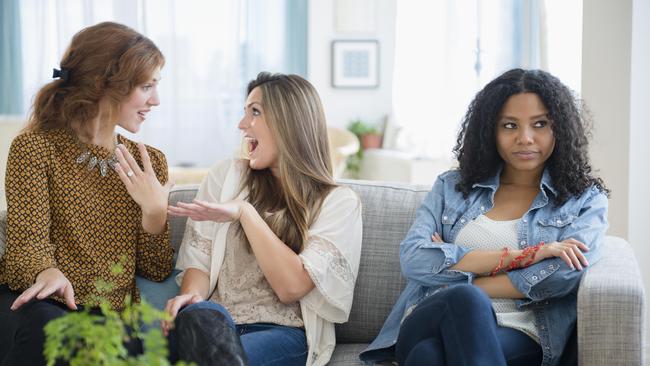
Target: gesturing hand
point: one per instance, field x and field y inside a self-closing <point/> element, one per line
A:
<point x="48" y="282"/>
<point x="172" y="308"/>
<point x="143" y="186"/>
<point x="207" y="211"/>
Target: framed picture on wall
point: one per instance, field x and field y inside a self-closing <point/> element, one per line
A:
<point x="355" y="64"/>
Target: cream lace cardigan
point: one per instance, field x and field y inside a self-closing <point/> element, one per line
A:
<point x="331" y="255"/>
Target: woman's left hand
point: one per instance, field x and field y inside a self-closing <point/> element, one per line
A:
<point x="207" y="211"/>
<point x="143" y="186"/>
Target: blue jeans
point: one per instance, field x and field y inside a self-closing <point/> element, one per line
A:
<point x="263" y="344"/>
<point x="457" y="326"/>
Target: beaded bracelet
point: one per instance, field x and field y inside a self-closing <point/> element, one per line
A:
<point x="529" y="251"/>
<point x="498" y="268"/>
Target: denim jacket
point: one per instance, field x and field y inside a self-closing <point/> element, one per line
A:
<point x="550" y="286"/>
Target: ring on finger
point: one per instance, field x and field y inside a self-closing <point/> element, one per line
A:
<point x="129" y="173"/>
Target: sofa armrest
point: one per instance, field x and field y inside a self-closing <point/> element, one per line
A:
<point x="611" y="309"/>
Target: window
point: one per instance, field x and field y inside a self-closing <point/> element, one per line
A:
<point x="446" y="50"/>
<point x="212" y="49"/>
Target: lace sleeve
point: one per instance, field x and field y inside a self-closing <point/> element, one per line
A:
<point x="338" y="265"/>
<point x="196" y="248"/>
<point x="333" y="278"/>
<point x="195" y="240"/>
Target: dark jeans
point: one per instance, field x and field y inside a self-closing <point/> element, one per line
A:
<point x="457" y="326"/>
<point x="206" y="334"/>
<point x="21" y="331"/>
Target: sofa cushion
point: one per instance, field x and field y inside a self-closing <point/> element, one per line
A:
<point x="388" y="213"/>
<point x="182" y="193"/>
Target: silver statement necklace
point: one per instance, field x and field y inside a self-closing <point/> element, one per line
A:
<point x="92" y="161"/>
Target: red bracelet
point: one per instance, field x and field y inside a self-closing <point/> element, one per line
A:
<point x="528" y="251"/>
<point x="535" y="250"/>
<point x="498" y="268"/>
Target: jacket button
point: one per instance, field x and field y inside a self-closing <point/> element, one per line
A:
<point x="559" y="222"/>
<point x="444" y="217"/>
<point x="534" y="278"/>
<point x="542" y="272"/>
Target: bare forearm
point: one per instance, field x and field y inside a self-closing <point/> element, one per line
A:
<point x="195" y="282"/>
<point x="498" y="286"/>
<point x="280" y="265"/>
<point x="485" y="261"/>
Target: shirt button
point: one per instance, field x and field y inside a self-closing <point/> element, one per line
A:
<point x="534" y="278"/>
<point x="547" y="348"/>
<point x="542" y="272"/>
<point x="482" y="208"/>
<point x="542" y="327"/>
<point x="462" y="220"/>
<point x="444" y="217"/>
<point x="523" y="242"/>
<point x="559" y="222"/>
<point x="524" y="220"/>
<point x="550" y="267"/>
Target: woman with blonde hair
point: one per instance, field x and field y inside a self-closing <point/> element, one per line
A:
<point x="271" y="250"/>
<point x="78" y="200"/>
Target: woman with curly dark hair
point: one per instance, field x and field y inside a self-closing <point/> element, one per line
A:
<point x="496" y="252"/>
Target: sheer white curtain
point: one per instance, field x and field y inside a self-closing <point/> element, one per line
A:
<point x="202" y="89"/>
<point x="445" y="50"/>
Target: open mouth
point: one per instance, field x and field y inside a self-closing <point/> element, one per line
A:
<point x="252" y="144"/>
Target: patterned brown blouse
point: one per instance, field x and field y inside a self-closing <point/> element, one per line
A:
<point x="60" y="214"/>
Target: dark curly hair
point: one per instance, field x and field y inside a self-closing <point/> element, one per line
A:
<point x="568" y="165"/>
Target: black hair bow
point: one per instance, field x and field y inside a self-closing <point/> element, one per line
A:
<point x="63" y="74"/>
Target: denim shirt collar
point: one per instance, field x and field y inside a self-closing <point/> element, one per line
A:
<point x="492" y="182"/>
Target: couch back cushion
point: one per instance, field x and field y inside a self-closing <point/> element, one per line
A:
<point x="388" y="212"/>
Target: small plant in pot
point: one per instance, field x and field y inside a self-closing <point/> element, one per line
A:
<point x="368" y="134"/>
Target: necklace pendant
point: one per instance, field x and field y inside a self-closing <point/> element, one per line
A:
<point x="92" y="162"/>
<point x="83" y="157"/>
<point x="112" y="162"/>
<point x="103" y="167"/>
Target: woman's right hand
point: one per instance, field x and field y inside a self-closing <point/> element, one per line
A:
<point x="569" y="250"/>
<point x="173" y="306"/>
<point x="48" y="282"/>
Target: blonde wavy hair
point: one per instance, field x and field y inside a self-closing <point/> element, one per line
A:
<point x="291" y="202"/>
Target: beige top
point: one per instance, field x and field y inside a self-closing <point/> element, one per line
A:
<point x="331" y="255"/>
<point x="244" y="291"/>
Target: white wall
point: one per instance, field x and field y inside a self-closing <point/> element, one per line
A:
<point x="606" y="45"/>
<point x="639" y="147"/>
<point x="343" y="105"/>
<point x="616" y="55"/>
<point x="639" y="131"/>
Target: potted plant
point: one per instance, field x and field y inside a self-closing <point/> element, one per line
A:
<point x="368" y="134"/>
